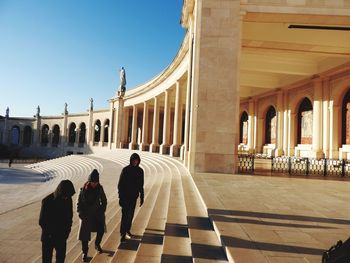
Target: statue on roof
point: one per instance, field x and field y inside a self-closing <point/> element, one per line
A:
<point x="65" y="108"/>
<point x="38" y="111"/>
<point x="91" y="104"/>
<point x="7" y="114"/>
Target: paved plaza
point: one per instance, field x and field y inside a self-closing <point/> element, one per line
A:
<point x="257" y="218"/>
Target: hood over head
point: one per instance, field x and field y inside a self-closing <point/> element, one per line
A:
<point x="64" y="189"/>
<point x="94" y="176"/>
<point x="135" y="156"/>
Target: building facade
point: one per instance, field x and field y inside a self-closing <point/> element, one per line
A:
<point x="268" y="77"/>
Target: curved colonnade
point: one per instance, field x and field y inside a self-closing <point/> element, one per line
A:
<point x="237" y="57"/>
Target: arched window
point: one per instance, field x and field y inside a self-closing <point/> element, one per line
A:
<point x="106" y="127"/>
<point x="305" y="116"/>
<point x="82" y="133"/>
<point x="71" y="134"/>
<point x="346" y="119"/>
<point x="97" y="129"/>
<point x="56" y="135"/>
<point x="27" y="136"/>
<point x="15" y="135"/>
<point x="44" y="135"/>
<point x="243" y="128"/>
<point x="270" y="126"/>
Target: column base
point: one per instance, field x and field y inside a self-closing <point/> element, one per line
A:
<point x="154" y="148"/>
<point x="278" y="152"/>
<point x="133" y="146"/>
<point x="182" y="152"/>
<point x="164" y="149"/>
<point x="144" y="147"/>
<point x="175" y="150"/>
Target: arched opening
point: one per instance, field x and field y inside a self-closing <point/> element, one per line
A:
<point x="106" y="128"/>
<point x="270" y="126"/>
<point x="71" y="134"/>
<point x="243" y="128"/>
<point x="55" y="135"/>
<point x="82" y="134"/>
<point x="15" y="135"/>
<point x="346" y="118"/>
<point x="97" y="131"/>
<point x="305" y="116"/>
<point x="27" y="136"/>
<point x="44" y="135"/>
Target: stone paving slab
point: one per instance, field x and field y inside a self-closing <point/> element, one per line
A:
<point x="276" y="219"/>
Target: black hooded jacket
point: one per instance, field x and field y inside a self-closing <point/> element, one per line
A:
<point x="56" y="212"/>
<point x="130" y="185"/>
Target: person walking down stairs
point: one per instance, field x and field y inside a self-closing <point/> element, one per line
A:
<point x="55" y="220"/>
<point x="130" y="187"/>
<point x="91" y="206"/>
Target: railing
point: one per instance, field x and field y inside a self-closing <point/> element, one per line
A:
<point x="294" y="166"/>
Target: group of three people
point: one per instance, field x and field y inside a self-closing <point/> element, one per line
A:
<point x="56" y="214"/>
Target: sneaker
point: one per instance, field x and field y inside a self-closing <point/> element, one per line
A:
<point x="84" y="258"/>
<point x="99" y="249"/>
<point x="123" y="238"/>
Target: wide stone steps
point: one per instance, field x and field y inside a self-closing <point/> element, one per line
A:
<point x="171" y="226"/>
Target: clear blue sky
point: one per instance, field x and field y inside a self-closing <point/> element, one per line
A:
<point x="57" y="51"/>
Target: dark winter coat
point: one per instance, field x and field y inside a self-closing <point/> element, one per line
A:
<point x="131" y="180"/>
<point x="92" y="204"/>
<point x="56" y="212"/>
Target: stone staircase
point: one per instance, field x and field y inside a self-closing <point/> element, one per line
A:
<point x="171" y="226"/>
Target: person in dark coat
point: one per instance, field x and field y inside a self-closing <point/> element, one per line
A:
<point x="130" y="187"/>
<point x="56" y="221"/>
<point x="92" y="204"/>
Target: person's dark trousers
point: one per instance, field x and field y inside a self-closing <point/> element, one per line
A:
<point x="99" y="235"/>
<point x="128" y="210"/>
<point x="85" y="246"/>
<point x="47" y="249"/>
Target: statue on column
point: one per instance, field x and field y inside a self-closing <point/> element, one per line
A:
<point x="91" y="104"/>
<point x="65" y="108"/>
<point x="38" y="111"/>
<point x="122" y="85"/>
<point x="7" y="114"/>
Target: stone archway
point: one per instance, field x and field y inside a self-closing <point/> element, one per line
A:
<point x="304" y="126"/>
<point x="27" y="136"/>
<point x="15" y="135"/>
<point x="243" y="128"/>
<point x="270" y="126"/>
<point x="72" y="134"/>
<point x="44" y="135"/>
<point x="55" y="135"/>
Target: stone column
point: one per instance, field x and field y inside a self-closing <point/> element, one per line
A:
<point x="125" y="128"/>
<point x="285" y="126"/>
<point x="155" y="129"/>
<point x="164" y="147"/>
<point x="215" y="95"/>
<point x="175" y="147"/>
<point x="279" y="128"/>
<point x="133" y="143"/>
<point x="251" y="125"/>
<point x="292" y="129"/>
<point x="334" y="132"/>
<point x="117" y="122"/>
<point x="185" y="146"/>
<point x="90" y="129"/>
<point x="317" y="120"/>
<point x="144" y="144"/>
<point x="325" y="108"/>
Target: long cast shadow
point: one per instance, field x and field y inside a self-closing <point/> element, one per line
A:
<point x="222" y="218"/>
<point x="278" y="216"/>
<point x="242" y="243"/>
